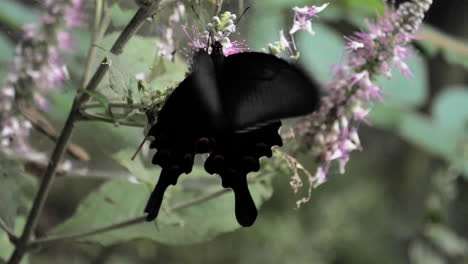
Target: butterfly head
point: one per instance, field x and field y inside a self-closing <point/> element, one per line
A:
<point x="217" y="49"/>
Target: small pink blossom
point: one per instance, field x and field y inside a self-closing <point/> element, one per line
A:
<point x="65" y="41"/>
<point x="74" y="15"/>
<point x="234" y="47"/>
<point x="303" y="18"/>
<point x="197" y="41"/>
<point x="354" y="44"/>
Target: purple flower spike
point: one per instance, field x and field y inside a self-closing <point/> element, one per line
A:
<point x="332" y="130"/>
<point x="37" y="69"/>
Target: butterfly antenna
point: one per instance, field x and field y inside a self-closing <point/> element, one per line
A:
<point x="139" y="147"/>
<point x="239" y="18"/>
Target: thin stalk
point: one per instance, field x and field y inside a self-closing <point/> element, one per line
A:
<point x="90" y="117"/>
<point x="444" y="41"/>
<point x="94" y="38"/>
<point x="112" y="105"/>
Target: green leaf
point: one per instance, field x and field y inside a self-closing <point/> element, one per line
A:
<point x="15" y="15"/>
<point x="320" y="52"/>
<point x="138" y="57"/>
<point x="119" y="16"/>
<point x="427" y="134"/>
<point x="99" y="97"/>
<point x="405" y="92"/>
<point x="7" y="49"/>
<point x="450" y="109"/>
<point x="448" y="241"/>
<point x="16" y="190"/>
<point x="136" y="167"/>
<point x="120" y="200"/>
<point x="6" y="246"/>
<point x="421" y="253"/>
<point x="367" y="6"/>
<point x="386" y="116"/>
<point x="166" y="74"/>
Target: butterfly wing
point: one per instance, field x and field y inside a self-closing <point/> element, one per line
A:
<point x="256" y="88"/>
<point x="206" y="91"/>
<point x="185" y="126"/>
<point x="234" y="156"/>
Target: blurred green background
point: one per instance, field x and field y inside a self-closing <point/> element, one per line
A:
<point x="403" y="199"/>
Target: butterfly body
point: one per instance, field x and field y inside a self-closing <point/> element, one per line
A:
<point x="229" y="107"/>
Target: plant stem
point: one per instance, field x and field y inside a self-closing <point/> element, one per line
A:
<point x="65" y="135"/>
<point x="126" y="223"/>
<point x="90" y="117"/>
<point x="94" y="38"/>
<point x="112" y="105"/>
<point x="444" y="41"/>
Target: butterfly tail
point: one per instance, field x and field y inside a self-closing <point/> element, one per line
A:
<point x="169" y="176"/>
<point x="234" y="156"/>
<point x="245" y="209"/>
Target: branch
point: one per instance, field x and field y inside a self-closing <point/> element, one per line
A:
<point x="126" y="223"/>
<point x="42" y="125"/>
<point x="65" y="135"/>
<point x="444" y="41"/>
<point x="83" y="116"/>
<point x="112" y="105"/>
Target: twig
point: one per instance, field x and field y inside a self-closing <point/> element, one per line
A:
<point x="126" y="223"/>
<point x="95" y="36"/>
<point x="139" y="147"/>
<point x="83" y="116"/>
<point x="42" y="125"/>
<point x="93" y="232"/>
<point x="444" y="41"/>
<point x="112" y="105"/>
<point x="65" y="135"/>
<point x="11" y="235"/>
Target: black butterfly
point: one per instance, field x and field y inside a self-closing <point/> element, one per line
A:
<point x="229" y="107"/>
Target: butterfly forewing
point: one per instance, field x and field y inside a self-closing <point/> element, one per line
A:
<point x="256" y="88"/>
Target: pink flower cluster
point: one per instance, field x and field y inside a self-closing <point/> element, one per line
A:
<point x="332" y="131"/>
<point x="220" y="30"/>
<point x="38" y="68"/>
<point x="302" y="21"/>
